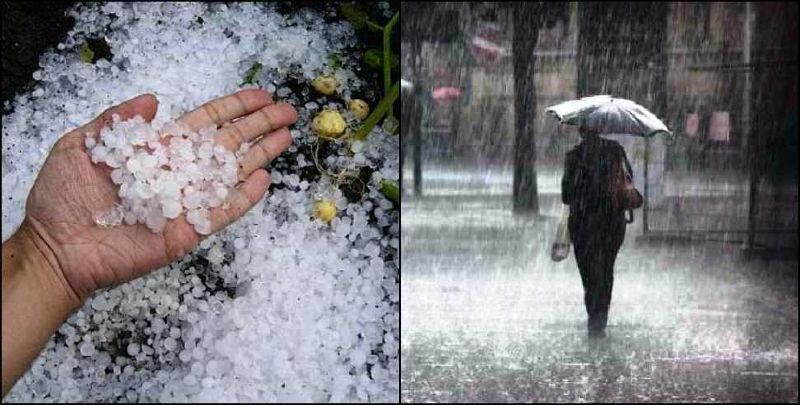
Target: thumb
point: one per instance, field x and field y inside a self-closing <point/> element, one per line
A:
<point x="144" y="105"/>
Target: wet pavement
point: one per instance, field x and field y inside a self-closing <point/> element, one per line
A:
<point x="486" y="315"/>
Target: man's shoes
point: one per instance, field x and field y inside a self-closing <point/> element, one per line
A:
<point x="597" y="333"/>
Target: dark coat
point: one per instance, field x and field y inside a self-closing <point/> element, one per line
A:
<point x="585" y="187"/>
<point x="596" y="227"/>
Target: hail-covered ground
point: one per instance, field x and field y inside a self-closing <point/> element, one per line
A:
<point x="278" y="306"/>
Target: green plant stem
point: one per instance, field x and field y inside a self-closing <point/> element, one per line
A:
<point x="381" y="109"/>
<point x="387" y="45"/>
<point x="373" y="26"/>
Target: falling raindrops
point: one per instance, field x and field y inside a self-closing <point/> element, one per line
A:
<point x="704" y="303"/>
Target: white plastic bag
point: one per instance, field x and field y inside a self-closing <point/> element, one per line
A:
<point x="560" y="249"/>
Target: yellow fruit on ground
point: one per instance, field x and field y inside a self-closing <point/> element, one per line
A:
<point x="324" y="211"/>
<point x="359" y="108"/>
<point x="325" y="85"/>
<point x="329" y="124"/>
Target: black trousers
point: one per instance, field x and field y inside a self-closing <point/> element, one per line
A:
<point x="596" y="240"/>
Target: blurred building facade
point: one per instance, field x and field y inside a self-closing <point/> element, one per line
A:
<point x="723" y="76"/>
<point x="708" y="55"/>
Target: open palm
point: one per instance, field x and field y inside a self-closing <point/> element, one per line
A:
<point x="70" y="190"/>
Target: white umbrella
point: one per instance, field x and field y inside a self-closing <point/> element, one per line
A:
<point x="609" y="115"/>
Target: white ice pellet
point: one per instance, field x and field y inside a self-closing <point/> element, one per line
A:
<point x="215" y="255"/>
<point x="243" y="149"/>
<point x="358" y="358"/>
<point x="192" y="202"/>
<point x="190" y="380"/>
<point x="130" y="218"/>
<point x="170" y="344"/>
<point x="174" y="333"/>
<point x="213" y="368"/>
<point x="87" y="348"/>
<point x="183" y="175"/>
<point x="194" y="216"/>
<point x="110" y="217"/>
<point x="157" y="325"/>
<point x="133" y="349"/>
<point x="185" y="356"/>
<point x="149" y="161"/>
<point x="171" y="208"/>
<point x="117" y="176"/>
<point x="277" y="177"/>
<point x="197" y="369"/>
<point x="155" y="221"/>
<point x="372" y="250"/>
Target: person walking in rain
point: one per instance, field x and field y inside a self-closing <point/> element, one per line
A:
<point x="596" y="220"/>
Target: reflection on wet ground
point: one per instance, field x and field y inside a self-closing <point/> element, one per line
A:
<point x="486" y="316"/>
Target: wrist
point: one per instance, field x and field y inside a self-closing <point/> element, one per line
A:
<point x="36" y="301"/>
<point x="32" y="258"/>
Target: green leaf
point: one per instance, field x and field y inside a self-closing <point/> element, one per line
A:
<point x="380" y="110"/>
<point x="252" y="73"/>
<point x="85" y="53"/>
<point x="357" y="17"/>
<point x="374" y="59"/>
<point x="394" y="60"/>
<point x="389" y="190"/>
<point x="391" y="125"/>
<point x="335" y="61"/>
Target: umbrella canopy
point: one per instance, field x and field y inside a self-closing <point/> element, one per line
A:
<point x="488" y="44"/>
<point x="446" y="93"/>
<point x="609" y="115"/>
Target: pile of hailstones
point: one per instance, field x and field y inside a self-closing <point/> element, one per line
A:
<point x="163" y="172"/>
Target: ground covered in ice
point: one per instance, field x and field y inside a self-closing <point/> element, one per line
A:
<point x="277" y="307"/>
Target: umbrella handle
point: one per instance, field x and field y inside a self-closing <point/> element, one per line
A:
<point x="629" y="217"/>
<point x="671" y="139"/>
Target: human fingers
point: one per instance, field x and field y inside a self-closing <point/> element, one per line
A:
<point x="264" y="151"/>
<point x="240" y="200"/>
<point x="223" y="109"/>
<point x="264" y="120"/>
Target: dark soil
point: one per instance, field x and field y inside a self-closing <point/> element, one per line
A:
<point x="29" y="28"/>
